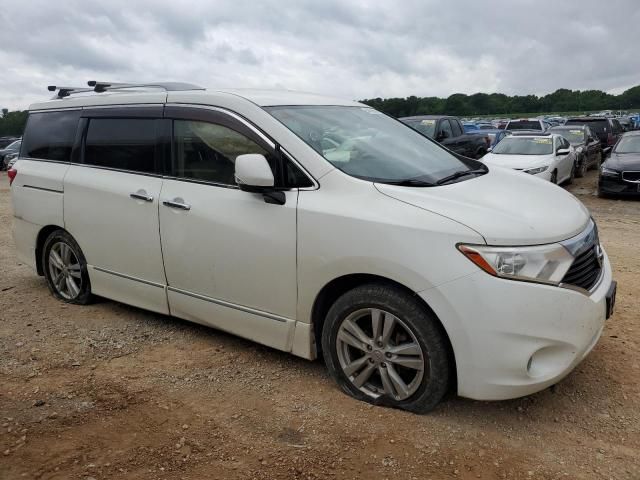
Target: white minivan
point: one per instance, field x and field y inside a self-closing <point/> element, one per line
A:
<point x="315" y="226"/>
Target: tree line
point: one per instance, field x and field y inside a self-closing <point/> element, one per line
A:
<point x="562" y="100"/>
<point x="12" y="123"/>
<point x="459" y="104"/>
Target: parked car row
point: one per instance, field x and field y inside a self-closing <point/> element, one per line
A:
<point x="9" y="153"/>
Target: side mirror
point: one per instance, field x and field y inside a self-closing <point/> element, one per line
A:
<point x="561" y="152"/>
<point x="253" y="174"/>
<point x="442" y="135"/>
<point x="489" y="149"/>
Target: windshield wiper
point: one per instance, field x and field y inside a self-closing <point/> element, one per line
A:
<point x="462" y="173"/>
<point x="411" y="182"/>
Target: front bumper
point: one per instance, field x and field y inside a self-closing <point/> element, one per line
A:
<point x="617" y="186"/>
<point x="512" y="338"/>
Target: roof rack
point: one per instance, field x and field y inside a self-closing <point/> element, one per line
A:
<point x="101" y="87"/>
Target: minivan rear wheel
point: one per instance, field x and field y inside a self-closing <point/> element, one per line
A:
<point x="383" y="346"/>
<point x="65" y="268"/>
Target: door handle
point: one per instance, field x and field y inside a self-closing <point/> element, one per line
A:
<point x="141" y="195"/>
<point x="177" y="203"/>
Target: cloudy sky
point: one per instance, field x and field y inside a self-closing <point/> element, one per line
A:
<point x="353" y="49"/>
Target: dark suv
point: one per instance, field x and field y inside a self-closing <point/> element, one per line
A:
<point x="608" y="130"/>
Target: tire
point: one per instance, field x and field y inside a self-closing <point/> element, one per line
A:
<point x="582" y="170"/>
<point x="598" y="162"/>
<point x="425" y="369"/>
<point x="68" y="264"/>
<point x="572" y="175"/>
<point x="554" y="177"/>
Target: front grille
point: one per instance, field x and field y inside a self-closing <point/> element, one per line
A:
<point x="585" y="270"/>
<point x="631" y="176"/>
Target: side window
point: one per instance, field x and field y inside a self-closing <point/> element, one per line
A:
<point x="208" y="151"/>
<point x="121" y="143"/>
<point x="445" y="128"/>
<point x="457" y="131"/>
<point x="50" y="135"/>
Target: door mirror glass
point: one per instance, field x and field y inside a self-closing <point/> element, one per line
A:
<point x="253" y="172"/>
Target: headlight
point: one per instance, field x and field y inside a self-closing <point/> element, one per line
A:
<point x="543" y="263"/>
<point x="607" y="172"/>
<point x="535" y="171"/>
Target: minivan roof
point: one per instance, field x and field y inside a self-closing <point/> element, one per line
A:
<point x="262" y="98"/>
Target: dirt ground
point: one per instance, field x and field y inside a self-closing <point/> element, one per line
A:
<point x="113" y="392"/>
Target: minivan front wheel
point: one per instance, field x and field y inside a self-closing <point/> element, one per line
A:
<point x="383" y="346"/>
<point x="65" y="268"/>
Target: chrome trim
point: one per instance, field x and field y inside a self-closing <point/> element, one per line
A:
<point x="141" y="196"/>
<point x="128" y="277"/>
<point x="630" y="171"/>
<point x="43" y="189"/>
<point x="578" y="245"/>
<point x="172" y="204"/>
<point x="234" y="306"/>
<point x="583" y="241"/>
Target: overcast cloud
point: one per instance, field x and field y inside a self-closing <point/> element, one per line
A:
<point x="352" y="49"/>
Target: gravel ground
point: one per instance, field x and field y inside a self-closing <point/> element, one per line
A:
<point x="110" y="391"/>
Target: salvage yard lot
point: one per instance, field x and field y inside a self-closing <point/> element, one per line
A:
<point x="111" y="391"/>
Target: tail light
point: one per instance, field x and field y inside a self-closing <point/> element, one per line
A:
<point x="609" y="138"/>
<point x="11" y="173"/>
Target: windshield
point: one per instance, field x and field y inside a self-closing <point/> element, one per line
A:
<point x="524" y="146"/>
<point x="524" y="125"/>
<point x="573" y="136"/>
<point x="629" y="144"/>
<point x="426" y="126"/>
<point x="367" y="144"/>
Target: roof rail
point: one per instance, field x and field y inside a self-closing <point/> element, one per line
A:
<point x="100" y="87"/>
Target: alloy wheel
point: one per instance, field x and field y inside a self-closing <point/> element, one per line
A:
<point x="65" y="271"/>
<point x="380" y="355"/>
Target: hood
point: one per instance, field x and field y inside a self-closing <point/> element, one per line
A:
<point x="623" y="161"/>
<point x="518" y="162"/>
<point x="504" y="206"/>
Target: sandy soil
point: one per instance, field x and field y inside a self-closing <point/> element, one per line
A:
<point x="110" y="391"/>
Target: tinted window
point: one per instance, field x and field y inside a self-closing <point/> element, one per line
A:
<point x="597" y="126"/>
<point x="456" y="128"/>
<point x="50" y="135"/>
<point x="445" y="129"/>
<point x="206" y="151"/>
<point x="524" y="125"/>
<point x="122" y="143"/>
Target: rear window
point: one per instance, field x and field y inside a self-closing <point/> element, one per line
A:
<point x="121" y="143"/>
<point x="50" y="135"/>
<point x="524" y="125"/>
<point x="597" y="126"/>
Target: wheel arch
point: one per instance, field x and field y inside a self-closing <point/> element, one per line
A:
<point x="340" y="285"/>
<point x="43" y="234"/>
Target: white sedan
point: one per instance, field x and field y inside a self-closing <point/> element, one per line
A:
<point x="546" y="156"/>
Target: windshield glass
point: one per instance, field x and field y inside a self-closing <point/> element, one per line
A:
<point x="426" y="126"/>
<point x="524" y="146"/>
<point x="367" y="144"/>
<point x="573" y="136"/>
<point x="524" y="125"/>
<point x="628" y="145"/>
